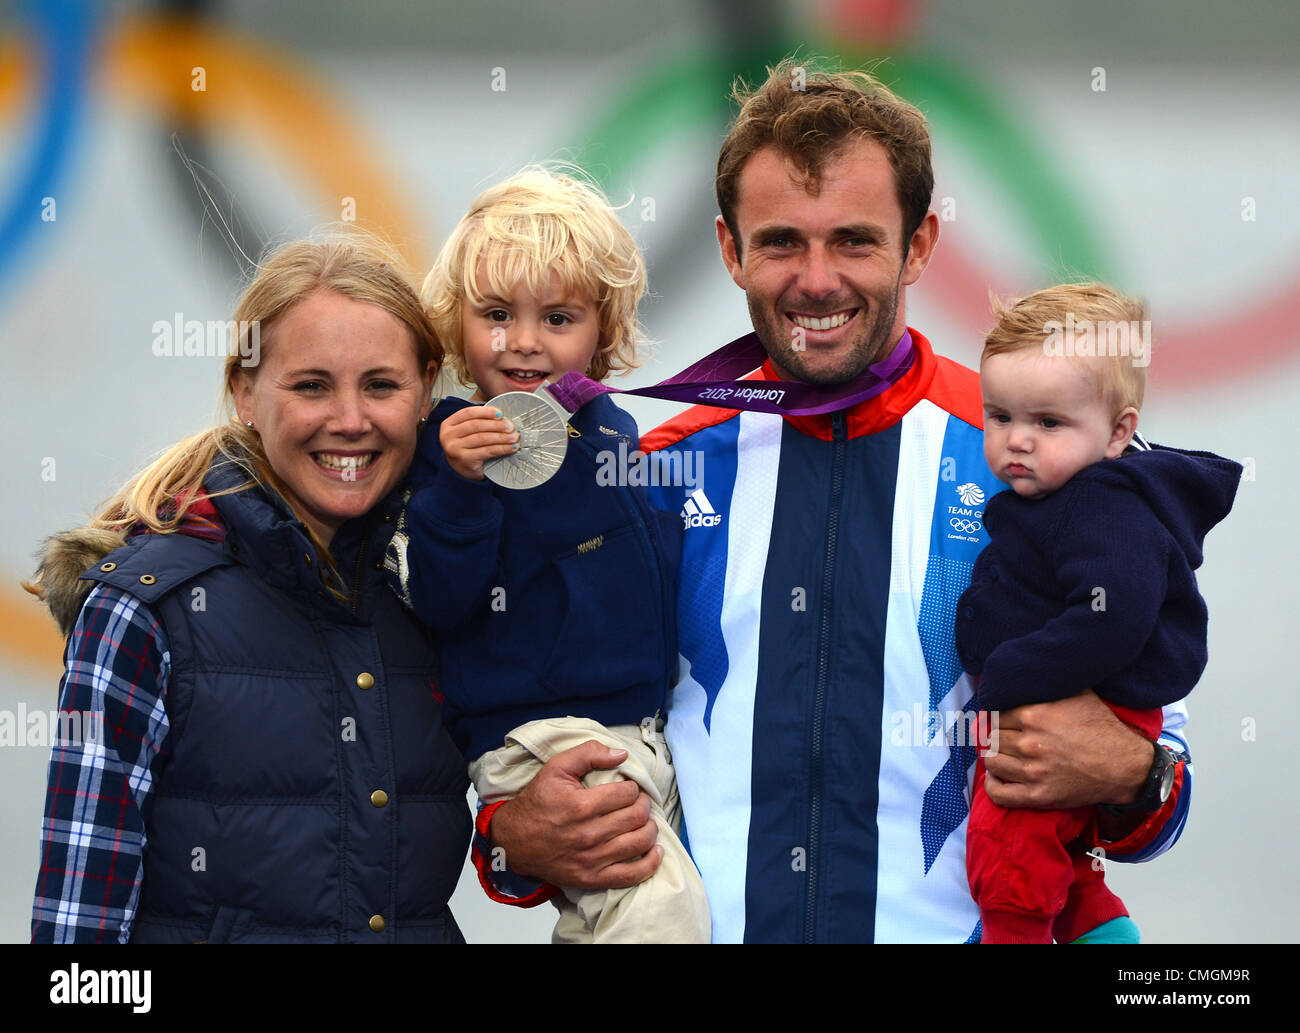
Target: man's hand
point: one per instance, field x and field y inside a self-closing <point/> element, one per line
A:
<point x="1071" y="753"/>
<point x="560" y="831"/>
<point x="472" y="435"/>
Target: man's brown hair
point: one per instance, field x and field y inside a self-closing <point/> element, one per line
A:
<point x="809" y="115"/>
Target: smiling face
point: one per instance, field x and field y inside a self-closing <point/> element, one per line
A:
<point x="823" y="275"/>
<point x="336" y="401"/>
<point x="1045" y="420"/>
<point x="519" y="342"/>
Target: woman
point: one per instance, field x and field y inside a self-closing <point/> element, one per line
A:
<point x="273" y="764"/>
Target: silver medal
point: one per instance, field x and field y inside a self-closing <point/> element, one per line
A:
<point x="542" y="424"/>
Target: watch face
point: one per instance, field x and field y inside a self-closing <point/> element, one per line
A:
<point x="1167" y="782"/>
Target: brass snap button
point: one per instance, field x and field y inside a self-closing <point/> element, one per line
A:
<point x="147" y="579"/>
<point x="377" y="923"/>
<point x="365" y="680"/>
<point x="106" y="567"/>
<point x="379" y="798"/>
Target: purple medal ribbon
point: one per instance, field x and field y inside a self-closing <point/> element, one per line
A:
<point x="715" y="380"/>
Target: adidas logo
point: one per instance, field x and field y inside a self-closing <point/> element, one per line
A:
<point x="698" y="512"/>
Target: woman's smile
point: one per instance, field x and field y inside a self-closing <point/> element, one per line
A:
<point x="337" y="402"/>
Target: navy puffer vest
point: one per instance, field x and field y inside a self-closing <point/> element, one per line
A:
<point x="311" y="792"/>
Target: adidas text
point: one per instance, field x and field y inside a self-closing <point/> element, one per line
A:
<point x="699" y="512"/>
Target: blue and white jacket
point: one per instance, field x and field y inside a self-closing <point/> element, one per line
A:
<point x="820" y="724"/>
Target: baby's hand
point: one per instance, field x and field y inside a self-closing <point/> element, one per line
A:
<point x="474" y="434"/>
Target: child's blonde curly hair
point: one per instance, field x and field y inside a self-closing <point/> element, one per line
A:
<point x="537" y="223"/>
<point x="1024" y="323"/>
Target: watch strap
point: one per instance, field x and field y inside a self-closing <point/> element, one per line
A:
<point x="1155" y="788"/>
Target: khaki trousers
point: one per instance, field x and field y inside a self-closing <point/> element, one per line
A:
<point x="670" y="906"/>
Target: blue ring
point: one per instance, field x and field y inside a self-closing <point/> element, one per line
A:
<point x="64" y="30"/>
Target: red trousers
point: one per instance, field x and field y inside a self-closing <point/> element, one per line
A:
<point x="1030" y="871"/>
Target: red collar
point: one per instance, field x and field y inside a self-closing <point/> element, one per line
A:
<point x="201" y="520"/>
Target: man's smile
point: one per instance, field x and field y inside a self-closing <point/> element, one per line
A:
<point x="832" y="321"/>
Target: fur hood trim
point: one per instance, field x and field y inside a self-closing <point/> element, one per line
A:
<point x="64" y="558"/>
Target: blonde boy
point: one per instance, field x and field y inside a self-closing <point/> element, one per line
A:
<point x="555" y="606"/>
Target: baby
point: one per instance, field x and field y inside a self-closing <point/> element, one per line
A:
<point x="1087" y="583"/>
<point x="555" y="606"/>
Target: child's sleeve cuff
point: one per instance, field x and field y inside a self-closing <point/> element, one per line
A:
<point x="453" y="501"/>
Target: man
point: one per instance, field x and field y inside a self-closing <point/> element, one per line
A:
<point x="820" y="724"/>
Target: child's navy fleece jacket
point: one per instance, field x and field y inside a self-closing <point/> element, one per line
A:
<point x="1093" y="586"/>
<point x="553" y="601"/>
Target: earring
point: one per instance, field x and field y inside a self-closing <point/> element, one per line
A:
<point x="423" y="421"/>
<point x="248" y="424"/>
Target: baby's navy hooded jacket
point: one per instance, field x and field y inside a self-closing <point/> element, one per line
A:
<point x="1094" y="585"/>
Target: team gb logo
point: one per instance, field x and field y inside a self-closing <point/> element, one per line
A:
<point x="971" y="494"/>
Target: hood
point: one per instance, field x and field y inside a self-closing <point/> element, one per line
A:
<point x="63" y="559"/>
<point x="1190" y="492"/>
<point x="67" y="555"/>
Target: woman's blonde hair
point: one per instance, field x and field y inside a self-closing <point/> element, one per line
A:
<point x="354" y="264"/>
<point x="537" y="223"/>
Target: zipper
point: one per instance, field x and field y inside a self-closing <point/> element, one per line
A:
<point x="361" y="559"/>
<point x="643" y="513"/>
<point x="839" y="435"/>
<point x="649" y="520"/>
<point x="647" y="517"/>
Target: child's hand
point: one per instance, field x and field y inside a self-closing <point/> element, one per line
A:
<point x="473" y="435"/>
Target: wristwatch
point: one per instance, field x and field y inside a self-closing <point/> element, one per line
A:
<point x="1155" y="789"/>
